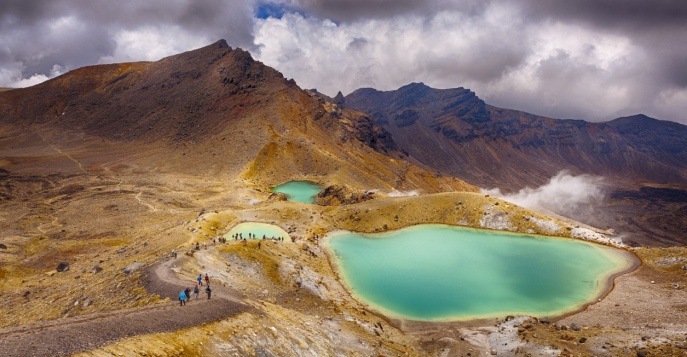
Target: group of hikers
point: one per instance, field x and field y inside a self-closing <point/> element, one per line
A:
<point x="185" y="295"/>
<point x="239" y="236"/>
<point x="222" y="240"/>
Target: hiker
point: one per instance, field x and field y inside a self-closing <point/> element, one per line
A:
<point x="182" y="298"/>
<point x="197" y="246"/>
<point x="258" y="245"/>
<point x="174" y="253"/>
<point x="188" y="294"/>
<point x="208" y="291"/>
<point x="200" y="280"/>
<point x="196" y="291"/>
<point x="207" y="279"/>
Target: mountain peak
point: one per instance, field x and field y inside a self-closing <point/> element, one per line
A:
<point x="414" y="86"/>
<point x="221" y="44"/>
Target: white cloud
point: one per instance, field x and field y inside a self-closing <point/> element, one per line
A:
<point x="11" y="76"/>
<point x="151" y="43"/>
<point x="444" y="51"/>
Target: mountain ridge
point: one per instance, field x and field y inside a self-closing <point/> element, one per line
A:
<point x="501" y="138"/>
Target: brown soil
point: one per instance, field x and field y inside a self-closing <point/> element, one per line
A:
<point x="72" y="335"/>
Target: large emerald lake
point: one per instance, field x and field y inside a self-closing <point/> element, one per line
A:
<point x="438" y="272"/>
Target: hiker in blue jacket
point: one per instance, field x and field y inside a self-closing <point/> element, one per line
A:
<point x="182" y="298"/>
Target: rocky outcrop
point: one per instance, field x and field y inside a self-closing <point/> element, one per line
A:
<point x="63" y="266"/>
<point x="336" y="195"/>
<point x="339" y="99"/>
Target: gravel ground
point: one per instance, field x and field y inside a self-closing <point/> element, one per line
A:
<point x="73" y="335"/>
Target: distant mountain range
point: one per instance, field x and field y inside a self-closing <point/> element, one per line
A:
<point x="456" y="133"/>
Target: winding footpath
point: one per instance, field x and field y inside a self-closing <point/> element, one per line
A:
<point x="82" y="333"/>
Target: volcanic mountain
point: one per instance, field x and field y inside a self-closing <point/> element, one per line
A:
<point x="456" y="133"/>
<point x="213" y="110"/>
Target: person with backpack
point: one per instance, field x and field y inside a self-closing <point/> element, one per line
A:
<point x="200" y="280"/>
<point x="208" y="291"/>
<point x="207" y="279"/>
<point x="196" y="291"/>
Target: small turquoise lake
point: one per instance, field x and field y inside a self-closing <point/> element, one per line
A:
<point x="257" y="231"/>
<point x="299" y="191"/>
<point x="447" y="273"/>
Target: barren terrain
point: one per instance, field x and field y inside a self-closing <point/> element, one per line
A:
<point x="97" y="188"/>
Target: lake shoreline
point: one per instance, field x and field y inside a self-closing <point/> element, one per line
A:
<point x="410" y="325"/>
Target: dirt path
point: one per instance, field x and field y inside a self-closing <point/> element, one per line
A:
<point x="82" y="333"/>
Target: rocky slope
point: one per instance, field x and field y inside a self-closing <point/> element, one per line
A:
<point x="456" y="133"/>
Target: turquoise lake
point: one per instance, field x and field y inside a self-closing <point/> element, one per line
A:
<point x="299" y="191"/>
<point x="446" y="273"/>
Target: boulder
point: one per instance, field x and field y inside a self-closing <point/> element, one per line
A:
<point x="86" y="303"/>
<point x="97" y="269"/>
<point x="64" y="266"/>
<point x="2" y="246"/>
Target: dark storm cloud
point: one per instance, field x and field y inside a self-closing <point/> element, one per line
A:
<point x="39" y="34"/>
<point x="626" y="15"/>
<point x="658" y="26"/>
<point x="351" y="10"/>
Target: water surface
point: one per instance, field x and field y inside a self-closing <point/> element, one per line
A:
<point x="438" y="272"/>
<point x="259" y="230"/>
<point x="299" y="191"/>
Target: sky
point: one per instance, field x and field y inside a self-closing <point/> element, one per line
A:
<point x="584" y="59"/>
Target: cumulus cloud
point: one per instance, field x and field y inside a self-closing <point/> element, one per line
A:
<point x="446" y="50"/>
<point x="564" y="194"/>
<point x="542" y="59"/>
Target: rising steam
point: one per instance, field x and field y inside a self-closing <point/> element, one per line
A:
<point x="564" y="194"/>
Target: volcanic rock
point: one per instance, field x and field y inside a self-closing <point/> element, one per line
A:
<point x="63" y="266"/>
